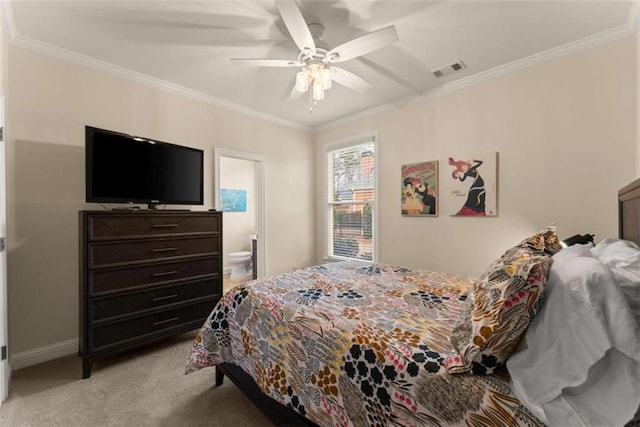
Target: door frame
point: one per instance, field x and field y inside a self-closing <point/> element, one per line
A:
<point x="260" y="197"/>
<point x="5" y="368"/>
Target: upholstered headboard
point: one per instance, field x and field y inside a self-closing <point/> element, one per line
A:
<point x="629" y="212"/>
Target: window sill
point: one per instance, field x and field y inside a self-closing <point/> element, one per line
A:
<point x="338" y="259"/>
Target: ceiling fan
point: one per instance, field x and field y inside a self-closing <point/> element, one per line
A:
<point x="316" y="59"/>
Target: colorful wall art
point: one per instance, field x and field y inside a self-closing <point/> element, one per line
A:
<point x="420" y="189"/>
<point x="475" y="180"/>
<point x="233" y="200"/>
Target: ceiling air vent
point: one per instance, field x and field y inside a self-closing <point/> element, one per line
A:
<point x="449" y="69"/>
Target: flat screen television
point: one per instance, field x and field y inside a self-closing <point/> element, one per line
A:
<point x="121" y="168"/>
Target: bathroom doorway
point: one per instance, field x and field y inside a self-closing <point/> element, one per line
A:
<point x="239" y="193"/>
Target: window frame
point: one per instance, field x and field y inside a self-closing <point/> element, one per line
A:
<point x="366" y="138"/>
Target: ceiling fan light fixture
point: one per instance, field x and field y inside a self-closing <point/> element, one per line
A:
<point x="302" y="81"/>
<point x="316" y="75"/>
<point x="326" y="77"/>
<point x="318" y="91"/>
<point x="314" y="68"/>
<point x="316" y="57"/>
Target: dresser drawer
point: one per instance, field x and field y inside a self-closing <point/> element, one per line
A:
<point x="157" y="224"/>
<point x="116" y="333"/>
<point x="130" y="277"/>
<point x="131" y="251"/>
<point x="123" y="304"/>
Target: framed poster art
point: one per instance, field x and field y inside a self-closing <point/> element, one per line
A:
<point x="475" y="184"/>
<point x="233" y="200"/>
<point x="420" y="189"/>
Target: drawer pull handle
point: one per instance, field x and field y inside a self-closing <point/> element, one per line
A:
<point x="164" y="298"/>
<point x="166" y="273"/>
<point x="164" y="250"/>
<point x="164" y="225"/>
<point x="173" y="319"/>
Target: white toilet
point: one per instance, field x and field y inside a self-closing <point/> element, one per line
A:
<point x="239" y="263"/>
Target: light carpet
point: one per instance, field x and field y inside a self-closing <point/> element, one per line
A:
<point x="144" y="387"/>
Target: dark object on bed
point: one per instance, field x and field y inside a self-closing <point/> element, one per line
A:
<point x="279" y="414"/>
<point x="629" y="212"/>
<point x="578" y="239"/>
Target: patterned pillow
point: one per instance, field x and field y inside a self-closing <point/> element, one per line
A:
<point x="501" y="305"/>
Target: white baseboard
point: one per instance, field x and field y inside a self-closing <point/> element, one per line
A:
<point x="43" y="354"/>
<point x="226" y="270"/>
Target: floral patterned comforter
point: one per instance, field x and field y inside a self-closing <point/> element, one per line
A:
<point x="354" y="343"/>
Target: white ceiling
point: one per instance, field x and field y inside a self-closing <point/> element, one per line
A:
<point x="186" y="45"/>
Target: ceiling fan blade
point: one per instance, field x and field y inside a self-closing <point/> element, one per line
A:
<point x="350" y="80"/>
<point x="296" y="25"/>
<point x="364" y="44"/>
<point x="266" y="62"/>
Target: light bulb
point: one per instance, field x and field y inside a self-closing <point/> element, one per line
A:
<point x="302" y="81"/>
<point x="318" y="91"/>
<point x="325" y="78"/>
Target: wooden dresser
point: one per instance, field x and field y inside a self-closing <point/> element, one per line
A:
<point x="144" y="276"/>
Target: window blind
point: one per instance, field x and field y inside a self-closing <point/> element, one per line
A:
<point x="351" y="192"/>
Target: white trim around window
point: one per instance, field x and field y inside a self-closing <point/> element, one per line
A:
<point x="328" y="201"/>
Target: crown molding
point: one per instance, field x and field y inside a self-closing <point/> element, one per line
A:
<point x="102" y="66"/>
<point x="8" y="21"/>
<point x="538" y="58"/>
<point x="633" y="21"/>
<point x="628" y="29"/>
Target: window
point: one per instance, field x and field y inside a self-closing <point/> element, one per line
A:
<point x="351" y="189"/>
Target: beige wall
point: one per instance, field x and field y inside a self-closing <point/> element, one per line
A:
<point x="51" y="102"/>
<point x="238" y="174"/>
<point x="565" y="131"/>
<point x="565" y="134"/>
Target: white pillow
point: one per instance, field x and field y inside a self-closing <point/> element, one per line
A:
<point x="579" y="363"/>
<point x="623" y="259"/>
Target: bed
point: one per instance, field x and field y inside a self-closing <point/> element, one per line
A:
<point x="356" y="343"/>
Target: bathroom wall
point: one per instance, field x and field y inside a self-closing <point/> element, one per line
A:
<point x="238" y="174"/>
